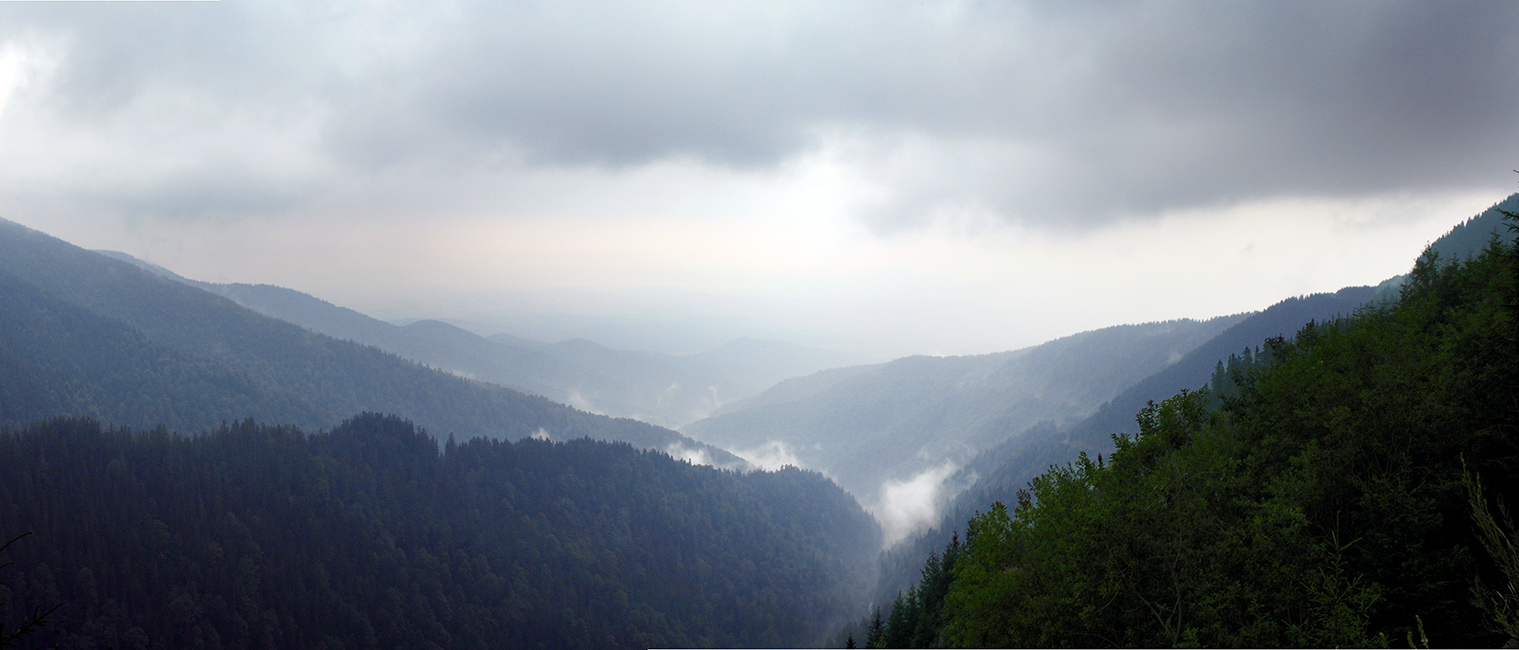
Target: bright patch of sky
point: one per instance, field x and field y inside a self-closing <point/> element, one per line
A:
<point x="888" y="178"/>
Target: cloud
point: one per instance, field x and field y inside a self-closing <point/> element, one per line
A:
<point x="1046" y="116"/>
<point x="679" y="451"/>
<point x="863" y="174"/>
<point x="907" y="506"/>
<point x="1056" y="116"/>
<point x="1149" y="108"/>
<point x="770" y="456"/>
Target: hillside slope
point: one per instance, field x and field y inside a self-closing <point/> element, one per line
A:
<point x="371" y="536"/>
<point x="662" y="389"/>
<point x="272" y="369"/>
<point x="1465" y="240"/>
<point x="1000" y="471"/>
<point x="60" y="358"/>
<point x="865" y="426"/>
<point x="1338" y="490"/>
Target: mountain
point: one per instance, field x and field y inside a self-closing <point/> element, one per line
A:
<point x="1465" y="240"/>
<point x="662" y="389"/>
<point x="369" y="535"/>
<point x="796" y="388"/>
<point x="1193" y="370"/>
<point x="767" y="362"/>
<point x="1335" y="489"/>
<point x="60" y="358"/>
<point x="108" y="339"/>
<point x="870" y="425"/>
<point x="1001" y="470"/>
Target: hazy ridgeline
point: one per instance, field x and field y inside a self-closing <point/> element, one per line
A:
<point x="894" y="434"/>
<point x="95" y="336"/>
<point x="661" y="389"/>
<point x="645" y="324"/>
<point x="1332" y="452"/>
<point x="1330" y="488"/>
<point x="1000" y="472"/>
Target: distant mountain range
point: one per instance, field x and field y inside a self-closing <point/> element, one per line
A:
<point x="108" y="337"/>
<point x="662" y="389"/>
<point x="981" y="427"/>
<point x="999" y="472"/>
<point x="88" y="335"/>
<point x="866" y="426"/>
<point x="1464" y="240"/>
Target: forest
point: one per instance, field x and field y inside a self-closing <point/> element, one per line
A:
<point x="1344" y="484"/>
<point x="1346" y="487"/>
<point x="370" y="535"/>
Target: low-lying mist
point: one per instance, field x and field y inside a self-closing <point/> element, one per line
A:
<point x="770" y="456"/>
<point x="904" y="507"/>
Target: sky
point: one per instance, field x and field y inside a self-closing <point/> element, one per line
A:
<point x="883" y="177"/>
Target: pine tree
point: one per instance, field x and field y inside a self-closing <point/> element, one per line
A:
<point x="28" y="625"/>
<point x="874" y="638"/>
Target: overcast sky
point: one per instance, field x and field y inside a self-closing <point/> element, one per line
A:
<point x="884" y="177"/>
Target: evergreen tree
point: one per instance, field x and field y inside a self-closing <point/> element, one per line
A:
<point x="1321" y="502"/>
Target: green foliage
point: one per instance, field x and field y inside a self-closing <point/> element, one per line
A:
<point x="917" y="615"/>
<point x="367" y="536"/>
<point x="1314" y="495"/>
<point x="1154" y="547"/>
<point x="1009" y="467"/>
<point x="1502" y="605"/>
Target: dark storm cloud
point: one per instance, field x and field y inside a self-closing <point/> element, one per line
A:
<point x="1221" y="102"/>
<point x="736" y="85"/>
<point x="1066" y="114"/>
<point x="1155" y="107"/>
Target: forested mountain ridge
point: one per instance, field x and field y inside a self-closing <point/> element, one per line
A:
<point x="62" y="359"/>
<point x="917" y="413"/>
<point x="1003" y="470"/>
<point x="1464" y="240"/>
<point x="662" y="389"/>
<point x="234" y="362"/>
<point x="1338" y="492"/>
<point x="371" y="536"/>
<point x="998" y="473"/>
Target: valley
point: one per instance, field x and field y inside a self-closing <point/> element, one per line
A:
<point x="529" y="325"/>
<point x="125" y="378"/>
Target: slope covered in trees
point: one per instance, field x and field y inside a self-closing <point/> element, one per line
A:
<point x="371" y="536"/>
<point x="88" y="335"/>
<point x="1329" y="501"/>
<point x="63" y="359"/>
<point x="916" y="413"/>
<point x="1465" y="239"/>
<point x="998" y="473"/>
<point x="662" y="389"/>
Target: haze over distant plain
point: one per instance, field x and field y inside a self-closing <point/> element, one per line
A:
<point x="886" y="178"/>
